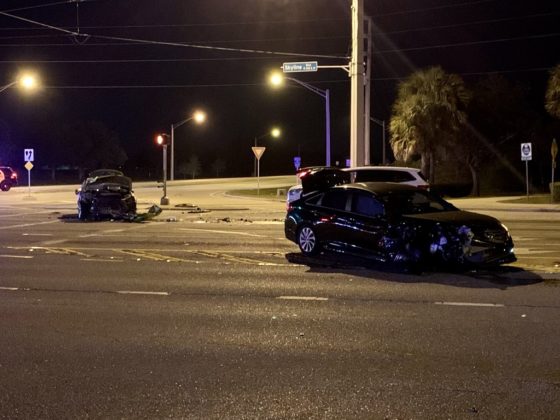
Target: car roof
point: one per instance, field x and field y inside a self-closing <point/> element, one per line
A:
<point x="378" y="187"/>
<point x="382" y="168"/>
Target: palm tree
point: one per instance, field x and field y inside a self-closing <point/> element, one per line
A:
<point x="552" y="98"/>
<point x="427" y="115"/>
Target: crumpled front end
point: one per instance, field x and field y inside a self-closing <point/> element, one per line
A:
<point x="450" y="245"/>
<point x="466" y="245"/>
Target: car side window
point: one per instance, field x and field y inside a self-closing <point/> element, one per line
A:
<point x="385" y="175"/>
<point x="367" y="205"/>
<point x="335" y="199"/>
<point x="400" y="176"/>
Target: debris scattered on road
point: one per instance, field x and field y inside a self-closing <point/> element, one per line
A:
<point x="152" y="212"/>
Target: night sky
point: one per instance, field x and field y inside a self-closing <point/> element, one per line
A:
<point x="126" y="75"/>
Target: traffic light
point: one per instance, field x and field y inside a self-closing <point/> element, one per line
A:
<point x="161" y="139"/>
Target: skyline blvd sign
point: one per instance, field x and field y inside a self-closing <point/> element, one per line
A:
<point x="300" y="67"/>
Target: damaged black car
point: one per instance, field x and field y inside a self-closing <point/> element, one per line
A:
<point x="106" y="193"/>
<point x="396" y="223"/>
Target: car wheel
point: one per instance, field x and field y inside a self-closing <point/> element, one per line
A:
<point x="83" y="210"/>
<point x="307" y="240"/>
<point x="5" y="186"/>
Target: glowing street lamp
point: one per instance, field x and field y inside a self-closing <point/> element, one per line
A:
<point x="199" y="117"/>
<point x="26" y="81"/>
<point x="277" y="79"/>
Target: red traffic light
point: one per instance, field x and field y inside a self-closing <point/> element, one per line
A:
<point x="161" y="139"/>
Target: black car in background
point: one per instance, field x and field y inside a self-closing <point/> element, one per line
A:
<point x="8" y="178"/>
<point x="396" y="223"/>
<point x="106" y="193"/>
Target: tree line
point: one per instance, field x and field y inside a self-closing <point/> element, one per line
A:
<point x="447" y="126"/>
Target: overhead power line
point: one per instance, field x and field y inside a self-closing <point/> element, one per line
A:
<point x="84" y="36"/>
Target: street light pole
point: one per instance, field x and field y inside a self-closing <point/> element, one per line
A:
<point x="274" y="132"/>
<point x="357" y="78"/>
<point x="199" y="117"/>
<point x="324" y="93"/>
<point x="173" y="127"/>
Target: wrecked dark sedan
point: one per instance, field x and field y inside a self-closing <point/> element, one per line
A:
<point x="396" y="223"/>
<point x="106" y="193"/>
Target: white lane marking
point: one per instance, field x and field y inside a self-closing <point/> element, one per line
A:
<point x="302" y="298"/>
<point x="530" y="251"/>
<point x="54" y="242"/>
<point x="28" y="224"/>
<point x="109" y="231"/>
<point x="137" y="292"/>
<point x="100" y="260"/>
<point x="16" y="256"/>
<point x="488" y="305"/>
<point x="36" y="234"/>
<point x="267" y="222"/>
<point x="11" y="289"/>
<point x="224" y="231"/>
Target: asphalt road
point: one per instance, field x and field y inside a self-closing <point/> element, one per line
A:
<point x="208" y="312"/>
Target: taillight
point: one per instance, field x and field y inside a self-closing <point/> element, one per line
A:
<point x="303" y="173"/>
<point x="14" y="175"/>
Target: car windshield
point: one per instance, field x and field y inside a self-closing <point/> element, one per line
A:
<point x="414" y="202"/>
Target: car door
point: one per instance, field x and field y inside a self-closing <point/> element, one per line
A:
<point x="329" y="215"/>
<point x="364" y="224"/>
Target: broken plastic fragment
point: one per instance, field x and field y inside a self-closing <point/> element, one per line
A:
<point x="151" y="213"/>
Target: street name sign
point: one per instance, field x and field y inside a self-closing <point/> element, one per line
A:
<point x="300" y="66"/>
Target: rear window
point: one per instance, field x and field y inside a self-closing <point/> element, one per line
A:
<point x="335" y="199"/>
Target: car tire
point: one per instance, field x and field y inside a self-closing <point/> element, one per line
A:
<point x="307" y="240"/>
<point x="5" y="186"/>
<point x="83" y="210"/>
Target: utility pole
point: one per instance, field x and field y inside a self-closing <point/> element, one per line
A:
<point x="367" y="107"/>
<point x="357" y="143"/>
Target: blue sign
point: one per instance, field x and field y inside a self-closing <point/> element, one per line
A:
<point x="297" y="162"/>
<point x="300" y="67"/>
<point x="28" y="155"/>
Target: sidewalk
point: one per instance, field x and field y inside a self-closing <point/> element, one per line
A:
<point x="501" y="204"/>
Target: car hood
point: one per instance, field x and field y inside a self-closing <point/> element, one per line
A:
<point x="101" y="182"/>
<point x="457" y="217"/>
